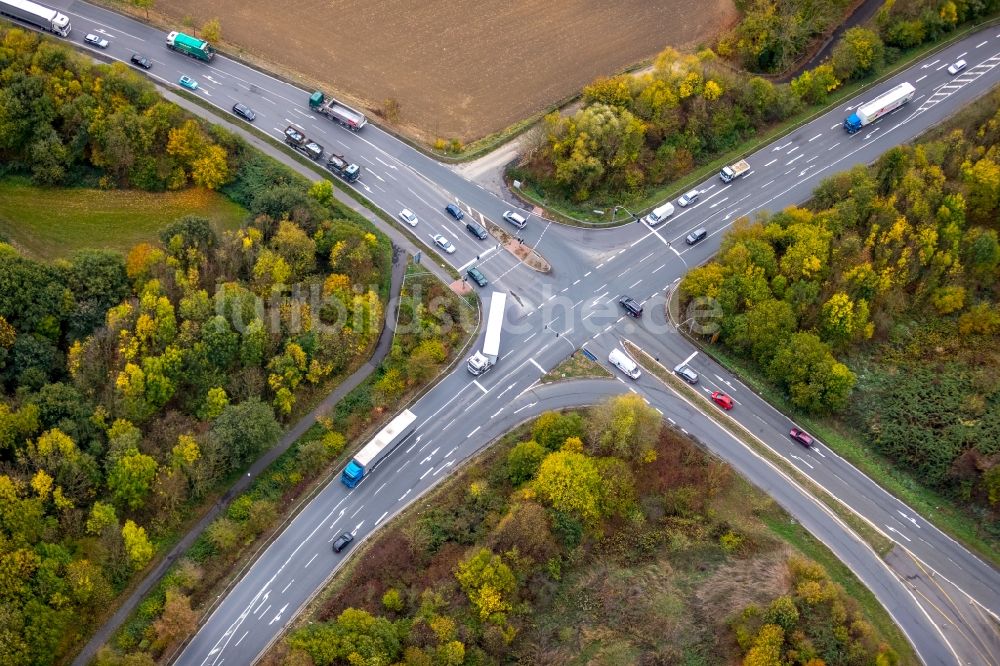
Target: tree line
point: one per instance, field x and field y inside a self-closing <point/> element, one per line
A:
<point x="133" y="386"/>
<point x="637" y="132"/>
<point x="894" y="270"/>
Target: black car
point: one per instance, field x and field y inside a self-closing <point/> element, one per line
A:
<point x="454" y="211"/>
<point x="140" y="60"/>
<point x="696" y="235"/>
<point x="342" y="541"/>
<point x="244" y="112"/>
<point x="631" y="306"/>
<point x="477" y="276"/>
<point x="477" y="230"/>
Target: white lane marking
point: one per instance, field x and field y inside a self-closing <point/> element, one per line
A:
<point x="473" y="432"/>
<point x="833" y="146"/>
<point x="634" y="285"/>
<point x="771" y="162"/>
<point x="815" y="137"/>
<point x="519" y="409"/>
<point x="479" y="386"/>
<point x="379" y="488"/>
<point x="429" y="470"/>
<point x="838" y="124"/>
<point x="381" y="518"/>
<point x="965" y="53"/>
<point x="287" y="586"/>
<point x="921" y="79"/>
<point x="792" y="150"/>
<point x="941" y="67"/>
<point x="766" y="184"/>
<point x="535" y="363"/>
<point x="793" y="160"/>
<point x="496" y="413"/>
<point x="310" y="561"/>
<point x="654" y="272"/>
<point x="814" y="157"/>
<point x="245" y="633"/>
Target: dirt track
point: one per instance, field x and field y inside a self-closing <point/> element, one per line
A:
<point x="459" y="68"/>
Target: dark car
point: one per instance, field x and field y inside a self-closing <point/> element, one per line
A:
<point x="140" y="60"/>
<point x="477" y="276"/>
<point x="244" y="112"/>
<point x="342" y="541"/>
<point x="801" y="436"/>
<point x="631" y="306"/>
<point x="696" y="235"/>
<point x="454" y="211"/>
<point x="686" y="373"/>
<point x="477" y="230"/>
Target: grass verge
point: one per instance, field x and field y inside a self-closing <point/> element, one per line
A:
<point x="880" y="543"/>
<point x="72" y="219"/>
<point x="576" y="366"/>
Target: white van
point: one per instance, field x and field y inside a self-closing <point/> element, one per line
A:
<point x="621" y="360"/>
<point x="659" y="214"/>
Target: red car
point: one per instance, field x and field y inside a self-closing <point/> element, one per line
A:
<point x="722" y="400"/>
<point x="801" y="436"/>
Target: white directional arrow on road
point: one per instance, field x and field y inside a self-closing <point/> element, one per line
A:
<point x="278" y="616"/>
<point x="893" y="529"/>
<point x="909" y="518"/>
<point x="358" y="527"/>
<point x="802" y="460"/>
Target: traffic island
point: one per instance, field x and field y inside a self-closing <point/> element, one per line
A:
<point x="525" y="253"/>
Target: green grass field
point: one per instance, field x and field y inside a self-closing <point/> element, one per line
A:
<point x="49" y="223"/>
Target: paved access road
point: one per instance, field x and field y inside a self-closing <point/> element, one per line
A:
<point x="941" y="595"/>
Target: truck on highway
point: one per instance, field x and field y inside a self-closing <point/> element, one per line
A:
<point x="295" y="137"/>
<point x="190" y="46"/>
<point x="883" y="104"/>
<point x="339" y="112"/>
<point x="483" y="361"/>
<point x="37" y="15"/>
<point x="385" y="442"/>
<point x="734" y="171"/>
<point x="340" y="166"/>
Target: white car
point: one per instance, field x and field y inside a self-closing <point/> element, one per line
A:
<point x="444" y="244"/>
<point x="688" y="198"/>
<point x="406" y="215"/>
<point x="96" y="40"/>
<point x="957" y="67"/>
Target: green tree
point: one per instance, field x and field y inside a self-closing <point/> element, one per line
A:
<point x="813" y="85"/>
<point x="815" y="380"/>
<point x="552" y="429"/>
<point x="130" y="478"/>
<point x="859" y="52"/>
<point x="211" y="30"/>
<point x="242" y="431"/>
<point x="322" y="192"/>
<point x="523" y="461"/>
<point x="296" y="248"/>
<point x="137" y="545"/>
<point x="489" y="584"/>
<point x="102" y="516"/>
<point x="211" y="169"/>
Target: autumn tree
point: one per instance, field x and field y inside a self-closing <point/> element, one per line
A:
<point x="570" y="482"/>
<point x="625" y="426"/>
<point x="489" y="584"/>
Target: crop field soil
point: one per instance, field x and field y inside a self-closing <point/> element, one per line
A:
<point x="459" y="69"/>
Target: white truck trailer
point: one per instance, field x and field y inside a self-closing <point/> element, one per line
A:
<point x="483" y="361"/>
<point x="883" y="104"/>
<point x="37" y="15"/>
<point x="385" y="442"/>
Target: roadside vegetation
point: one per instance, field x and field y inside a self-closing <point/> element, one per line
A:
<point x="877" y="307"/>
<point x="134" y="387"/>
<point x="170" y="614"/>
<point x="597" y="536"/>
<point x="636" y="134"/>
<point x="576" y="366"/>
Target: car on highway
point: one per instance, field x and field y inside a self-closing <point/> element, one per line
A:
<point x="722" y="400"/>
<point x="444" y="243"/>
<point x="406" y="215"/>
<point x="515" y="218"/>
<point x="957" y="67"/>
<point x="801" y="436"/>
<point x="686" y="373"/>
<point x="95" y="40"/>
<point x="188" y="82"/>
<point x="696" y="235"/>
<point x="244" y="112"/>
<point x="477" y="276"/>
<point x="342" y="542"/>
<point x="140" y="60"/>
<point x="477" y="230"/>
<point x="454" y="211"/>
<point x="688" y="198"/>
<point x="632" y="306"/>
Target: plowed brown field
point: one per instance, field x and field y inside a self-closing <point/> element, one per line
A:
<point x="458" y="68"/>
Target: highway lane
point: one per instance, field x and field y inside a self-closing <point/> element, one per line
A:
<point x="632" y="259"/>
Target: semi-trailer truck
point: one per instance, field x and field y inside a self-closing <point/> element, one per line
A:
<point x="339" y="112"/>
<point x="883" y="104"/>
<point x="295" y="137"/>
<point x="37" y="15"/>
<point x="340" y="166"/>
<point x="190" y="46"/>
<point x="734" y="171"/>
<point x="483" y="361"/>
<point x="385" y="442"/>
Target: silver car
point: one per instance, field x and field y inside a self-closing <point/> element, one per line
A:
<point x="444" y="244"/>
<point x="96" y="40"/>
<point x="688" y="198"/>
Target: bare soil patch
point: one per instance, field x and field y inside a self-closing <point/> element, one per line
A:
<point x="458" y="68"/>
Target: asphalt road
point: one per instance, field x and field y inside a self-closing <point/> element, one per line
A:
<point x="945" y="601"/>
